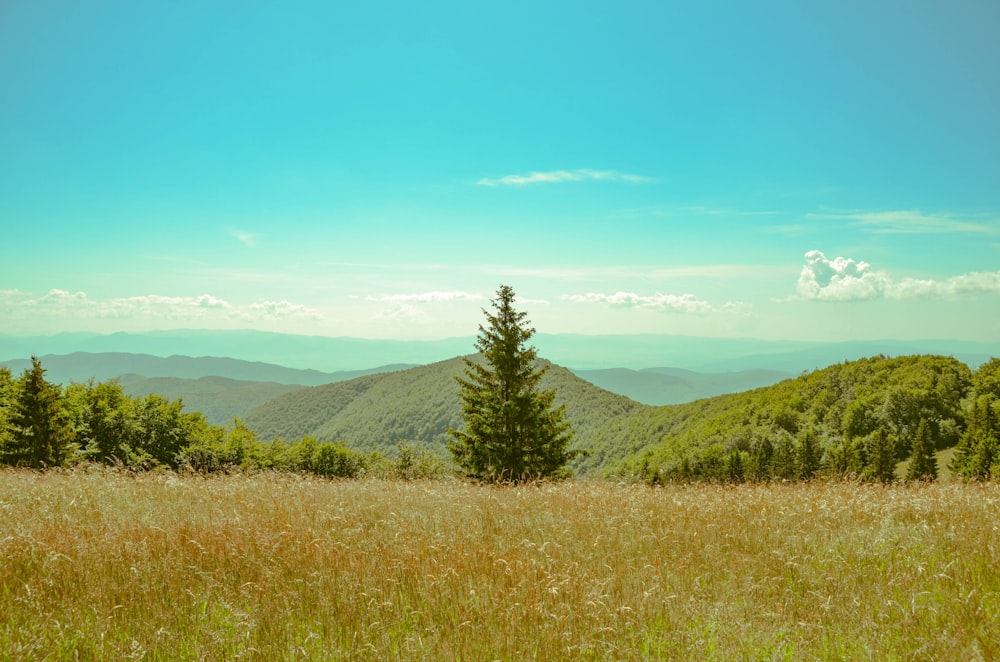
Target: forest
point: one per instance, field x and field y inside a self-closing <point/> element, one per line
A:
<point x="878" y="419"/>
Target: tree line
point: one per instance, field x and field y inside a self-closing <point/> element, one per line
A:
<point x="44" y="425"/>
<point x="875" y="419"/>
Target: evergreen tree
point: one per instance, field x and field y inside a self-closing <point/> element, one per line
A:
<point x="881" y="457"/>
<point x="735" y="471"/>
<point x="923" y="464"/>
<point x="41" y="433"/>
<point x="512" y="430"/>
<point x="7" y="399"/>
<point x="784" y="462"/>
<point x="808" y="455"/>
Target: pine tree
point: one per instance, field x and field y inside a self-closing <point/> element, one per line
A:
<point x="512" y="430"/>
<point x="923" y="464"/>
<point x="881" y="457"/>
<point x="808" y="456"/>
<point x="41" y="432"/>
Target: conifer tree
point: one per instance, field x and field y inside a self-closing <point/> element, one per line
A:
<point x="512" y="430"/>
<point x="923" y="464"/>
<point x="41" y="432"/>
<point x="808" y="455"/>
<point x="6" y="405"/>
<point x="882" y="458"/>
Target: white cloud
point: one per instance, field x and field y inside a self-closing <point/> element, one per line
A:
<point x="248" y="239"/>
<point x="844" y="279"/>
<point x="273" y="310"/>
<point x="57" y="303"/>
<point x="669" y="303"/>
<point x="911" y="222"/>
<point x="427" y="297"/>
<point x="559" y="176"/>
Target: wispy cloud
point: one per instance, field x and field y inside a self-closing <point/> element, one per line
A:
<point x="689" y="211"/>
<point x="428" y="297"/>
<point x="846" y="279"/>
<point x="273" y="310"/>
<point x="912" y="222"/>
<point x="57" y="303"/>
<point x="560" y="176"/>
<point x="248" y="239"/>
<point x="667" y="303"/>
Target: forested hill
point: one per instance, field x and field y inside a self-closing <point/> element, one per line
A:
<point x="378" y="412"/>
<point x="841" y="413"/>
<point x="838" y="411"/>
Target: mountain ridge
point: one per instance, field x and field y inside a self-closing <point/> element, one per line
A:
<point x="576" y="351"/>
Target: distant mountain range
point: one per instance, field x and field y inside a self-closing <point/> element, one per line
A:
<point x="223" y="388"/>
<point x="579" y="352"/>
<point x="671" y="386"/>
<point x="418" y="406"/>
<point x="383" y="407"/>
<point x="81" y="366"/>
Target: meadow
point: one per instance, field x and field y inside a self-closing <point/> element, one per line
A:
<point x="100" y="564"/>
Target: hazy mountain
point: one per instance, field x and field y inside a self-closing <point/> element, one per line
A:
<point x="419" y="405"/>
<point x="81" y="366"/>
<point x="580" y="352"/>
<point x="303" y="352"/>
<point x="218" y="398"/>
<point x="670" y="386"/>
<point x="378" y="412"/>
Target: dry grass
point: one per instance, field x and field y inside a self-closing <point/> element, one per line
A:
<point x="106" y="566"/>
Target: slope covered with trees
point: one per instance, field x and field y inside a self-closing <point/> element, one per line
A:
<point x="419" y="406"/>
<point x="860" y="418"/>
<point x="837" y="421"/>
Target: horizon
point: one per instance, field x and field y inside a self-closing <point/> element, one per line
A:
<point x="771" y="172"/>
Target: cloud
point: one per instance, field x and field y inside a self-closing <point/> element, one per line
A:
<point x="911" y="222"/>
<point x="844" y="279"/>
<point x="273" y="310"/>
<point x="57" y="303"/>
<point x="248" y="239"/>
<point x="667" y="303"/>
<point x="427" y="297"/>
<point x="560" y="176"/>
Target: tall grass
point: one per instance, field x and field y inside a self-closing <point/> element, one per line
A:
<point x="101" y="565"/>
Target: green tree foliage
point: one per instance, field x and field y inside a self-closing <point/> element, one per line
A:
<point x="882" y="458"/>
<point x="844" y="406"/>
<point x="808" y="455"/>
<point x="37" y="420"/>
<point x="7" y="399"/>
<point x="512" y="429"/>
<point x="923" y="464"/>
<point x="977" y="455"/>
<point x="41" y="434"/>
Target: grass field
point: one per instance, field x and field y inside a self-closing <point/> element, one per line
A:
<point x="101" y="565"/>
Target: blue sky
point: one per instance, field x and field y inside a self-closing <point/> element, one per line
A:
<point x="814" y="171"/>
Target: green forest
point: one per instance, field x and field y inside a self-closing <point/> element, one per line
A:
<point x="879" y="419"/>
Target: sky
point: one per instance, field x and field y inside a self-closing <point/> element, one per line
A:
<point x="775" y="170"/>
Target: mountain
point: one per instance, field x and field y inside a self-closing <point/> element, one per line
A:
<point x="580" y="352"/>
<point x="841" y="406"/>
<point x="81" y="366"/>
<point x="378" y="412"/>
<point x="669" y="386"/>
<point x="303" y="352"/>
<point x="218" y="398"/>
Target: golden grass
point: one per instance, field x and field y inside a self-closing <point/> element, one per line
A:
<point x="100" y="565"/>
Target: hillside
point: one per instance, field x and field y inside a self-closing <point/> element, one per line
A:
<point x="841" y="407"/>
<point x="576" y="351"/>
<point x="81" y="366"/>
<point x="378" y="412"/>
<point x="671" y="386"/>
<point x="218" y="398"/>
